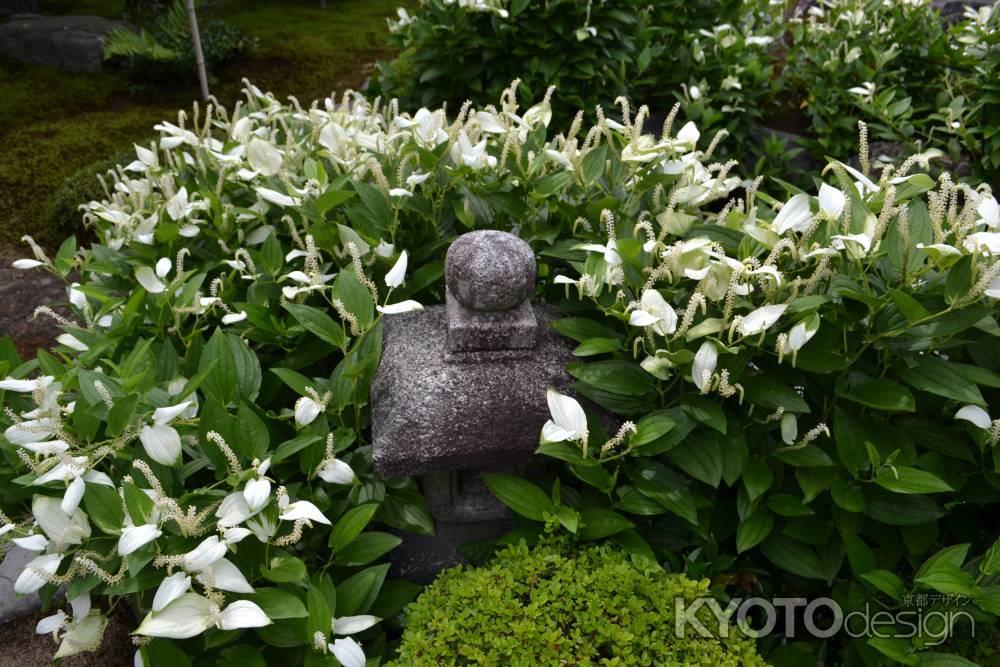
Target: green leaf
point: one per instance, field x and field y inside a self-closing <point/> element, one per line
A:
<point x="520" y="495"/>
<point x="706" y="411"/>
<point x="581" y="329"/>
<point x="849" y="436"/>
<point x="407" y="510"/>
<point x="770" y="393"/>
<point x="596" y="524"/>
<point x="785" y="504"/>
<point x="366" y="548"/>
<point x="104" y="507"/>
<point x="887" y="582"/>
<point x="350" y="525"/>
<point x="320" y="614"/>
<point x="252" y="437"/>
<point x="935" y="659"/>
<point x="757" y="477"/>
<point x="284" y="569"/>
<point x="901" y="510"/>
<point x="121" y="413"/>
<point x="140" y="506"/>
<point x="356" y="594"/>
<point x="793" y="556"/>
<point x="235" y="369"/>
<point x="278" y="604"/>
<point x="936" y="376"/>
<point x="355" y="296"/>
<point x="594" y="346"/>
<point x="910" y="307"/>
<point x="990" y="564"/>
<point x="810" y="456"/>
<point x="948" y="579"/>
<point x="847" y="496"/>
<point x="592" y="164"/>
<point x="700" y="456"/>
<point x="904" y="479"/>
<point x="666" y="487"/>
<point x="754" y="530"/>
<point x="293" y="379"/>
<point x="293" y="446"/>
<point x="618" y="377"/>
<point x="947" y="558"/>
<point x="884" y="395"/>
<point x="317" y="323"/>
<point x="959" y="280"/>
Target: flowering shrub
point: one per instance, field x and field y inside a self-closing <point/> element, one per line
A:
<point x="719" y="69"/>
<point x="807" y="387"/>
<point x="453" y="51"/>
<point x="559" y="604"/>
<point x="197" y="443"/>
<point x="898" y="65"/>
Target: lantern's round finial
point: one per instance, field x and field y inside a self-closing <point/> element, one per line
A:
<point x="490" y="270"/>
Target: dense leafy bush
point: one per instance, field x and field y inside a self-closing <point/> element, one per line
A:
<point x="557" y="604"/>
<point x="209" y="400"/>
<point x="808" y="387"/>
<point x="717" y="65"/>
<point x="898" y="66"/>
<point x="457" y="51"/>
<point x="164" y="53"/>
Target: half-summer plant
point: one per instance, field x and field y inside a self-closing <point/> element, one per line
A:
<point x="806" y="390"/>
<point x="559" y="603"/>
<point x="453" y="51"/>
<point x="196" y="448"/>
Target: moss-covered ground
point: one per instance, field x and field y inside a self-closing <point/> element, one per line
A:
<point x="54" y="123"/>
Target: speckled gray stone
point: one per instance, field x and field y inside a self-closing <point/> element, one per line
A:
<point x="489" y="270"/>
<point x="485" y="412"/>
<point x="472" y="330"/>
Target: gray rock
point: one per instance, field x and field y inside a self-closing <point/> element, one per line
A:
<point x="11" y="606"/>
<point x="74" y="43"/>
<point x="432" y="415"/>
<point x="488" y="270"/>
<point x="8" y="7"/>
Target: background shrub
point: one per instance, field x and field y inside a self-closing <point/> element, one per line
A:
<point x="456" y="51"/>
<point x="559" y="603"/>
<point x="162" y="53"/>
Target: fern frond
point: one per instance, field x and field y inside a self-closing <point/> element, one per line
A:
<point x="124" y="43"/>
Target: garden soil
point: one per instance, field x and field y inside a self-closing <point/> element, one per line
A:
<point x="21" y="647"/>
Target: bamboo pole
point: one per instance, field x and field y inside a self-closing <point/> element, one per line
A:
<point x="199" y="56"/>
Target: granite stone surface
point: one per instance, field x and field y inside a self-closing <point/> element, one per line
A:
<point x="489" y="270"/>
<point x="473" y="330"/>
<point x="484" y="412"/>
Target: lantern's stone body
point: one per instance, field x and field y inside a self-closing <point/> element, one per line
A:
<point x="460" y="390"/>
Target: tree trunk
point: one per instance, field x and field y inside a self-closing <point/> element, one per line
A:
<point x="199" y="56"/>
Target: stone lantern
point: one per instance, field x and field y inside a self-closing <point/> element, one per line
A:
<point x="461" y="391"/>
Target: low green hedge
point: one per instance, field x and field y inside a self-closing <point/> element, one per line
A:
<point x="563" y="604"/>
